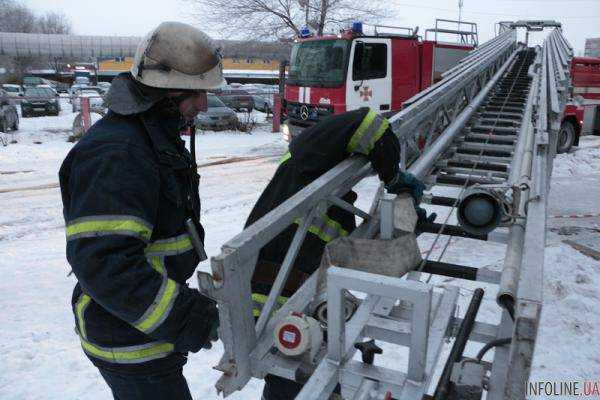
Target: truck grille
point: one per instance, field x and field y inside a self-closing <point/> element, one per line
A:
<point x="307" y="114"/>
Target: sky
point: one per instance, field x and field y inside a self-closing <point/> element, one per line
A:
<point x="580" y="18"/>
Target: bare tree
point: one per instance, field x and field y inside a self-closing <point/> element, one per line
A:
<point x="53" y="22"/>
<point x="261" y="19"/>
<point x="16" y="17"/>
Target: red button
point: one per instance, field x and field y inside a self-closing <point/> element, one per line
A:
<point x="289" y="336"/>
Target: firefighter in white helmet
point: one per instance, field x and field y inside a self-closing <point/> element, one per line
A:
<point x="131" y="208"/>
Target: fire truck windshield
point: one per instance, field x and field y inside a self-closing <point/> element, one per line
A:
<point x="319" y="63"/>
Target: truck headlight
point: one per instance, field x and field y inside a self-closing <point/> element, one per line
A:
<point x="285" y="130"/>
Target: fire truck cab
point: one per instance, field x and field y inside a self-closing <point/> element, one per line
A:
<point x="333" y="74"/>
<point x="582" y="114"/>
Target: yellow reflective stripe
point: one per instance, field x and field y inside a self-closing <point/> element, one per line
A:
<point x="326" y="235"/>
<point x="160" y="308"/>
<point x="107" y="225"/>
<point x="362" y="128"/>
<point x="171" y="246"/>
<point x="378" y="134"/>
<point x="262" y="299"/>
<point x="336" y="225"/>
<point x="322" y="235"/>
<point x="285" y="157"/>
<point x="80" y="306"/>
<point x="157" y="264"/>
<point x="259" y="300"/>
<point x="129" y="355"/>
<point x="368" y="133"/>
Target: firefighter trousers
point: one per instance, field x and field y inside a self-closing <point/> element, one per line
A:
<point x="277" y="388"/>
<point x="162" y="386"/>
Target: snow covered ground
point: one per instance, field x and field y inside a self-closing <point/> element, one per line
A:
<point x="40" y="353"/>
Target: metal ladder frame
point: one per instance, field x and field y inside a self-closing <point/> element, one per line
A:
<point x="439" y="114"/>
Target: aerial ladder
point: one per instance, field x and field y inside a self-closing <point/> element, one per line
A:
<point x="489" y="129"/>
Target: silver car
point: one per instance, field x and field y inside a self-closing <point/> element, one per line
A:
<point x="13" y="91"/>
<point x="217" y="116"/>
<point x="93" y="94"/>
<point x="263" y="102"/>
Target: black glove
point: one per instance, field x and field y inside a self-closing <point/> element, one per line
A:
<point x="422" y="216"/>
<point x="213" y="335"/>
<point x="406" y="182"/>
<point x="201" y="328"/>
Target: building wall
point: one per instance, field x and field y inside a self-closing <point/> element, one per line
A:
<point x="592" y="47"/>
<point x="251" y="64"/>
<point x="228" y="63"/>
<point x="124" y="64"/>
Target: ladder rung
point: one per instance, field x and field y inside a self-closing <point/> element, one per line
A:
<point x="486" y="147"/>
<point x="495" y="129"/>
<point x="508" y="115"/>
<point x="449" y="230"/>
<point x="475" y="171"/>
<point x="494" y="139"/>
<point x="480" y="165"/>
<point x="497" y="121"/>
<point x="477" y="158"/>
<point x="455" y="180"/>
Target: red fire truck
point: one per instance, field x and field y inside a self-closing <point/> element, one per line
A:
<point x="333" y="74"/>
<point x="582" y="114"/>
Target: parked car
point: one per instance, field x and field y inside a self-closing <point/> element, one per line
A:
<point x="93" y="94"/>
<point x="217" y="116"/>
<point x="74" y="88"/>
<point x="104" y="86"/>
<point x="62" y="87"/>
<point x="50" y="88"/>
<point x="39" y="101"/>
<point x="97" y="89"/>
<point x="13" y="91"/>
<point x="9" y="117"/>
<point x="236" y="99"/>
<point x="82" y="80"/>
<point x="263" y="102"/>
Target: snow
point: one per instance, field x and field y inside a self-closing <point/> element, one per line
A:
<point x="41" y="357"/>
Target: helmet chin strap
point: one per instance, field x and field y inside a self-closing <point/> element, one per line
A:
<point x="169" y="108"/>
<point x="192" y="129"/>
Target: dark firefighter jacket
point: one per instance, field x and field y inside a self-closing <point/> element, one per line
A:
<point x="124" y="189"/>
<point x="311" y="154"/>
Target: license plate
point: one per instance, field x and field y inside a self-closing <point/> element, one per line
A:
<point x="39" y="109"/>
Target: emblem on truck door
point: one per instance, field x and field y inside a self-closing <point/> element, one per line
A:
<point x="366" y="93"/>
<point x="304" y="112"/>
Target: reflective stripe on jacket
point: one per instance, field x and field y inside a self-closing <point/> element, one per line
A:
<point x="311" y="154"/>
<point x="259" y="300"/>
<point x="124" y="189"/>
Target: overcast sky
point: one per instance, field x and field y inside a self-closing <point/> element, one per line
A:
<point x="580" y="18"/>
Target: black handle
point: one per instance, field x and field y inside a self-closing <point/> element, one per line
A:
<point x="368" y="350"/>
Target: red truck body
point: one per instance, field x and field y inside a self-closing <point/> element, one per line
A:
<point x="582" y="114"/>
<point x="338" y="73"/>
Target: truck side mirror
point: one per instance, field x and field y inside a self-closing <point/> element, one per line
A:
<point x="357" y="67"/>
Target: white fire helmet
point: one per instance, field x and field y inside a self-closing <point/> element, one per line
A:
<point x="178" y="56"/>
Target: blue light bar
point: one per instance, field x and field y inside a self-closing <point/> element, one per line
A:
<point x="357" y="27"/>
<point x="305" y="32"/>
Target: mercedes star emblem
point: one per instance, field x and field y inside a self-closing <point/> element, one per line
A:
<point x="304" y="112"/>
